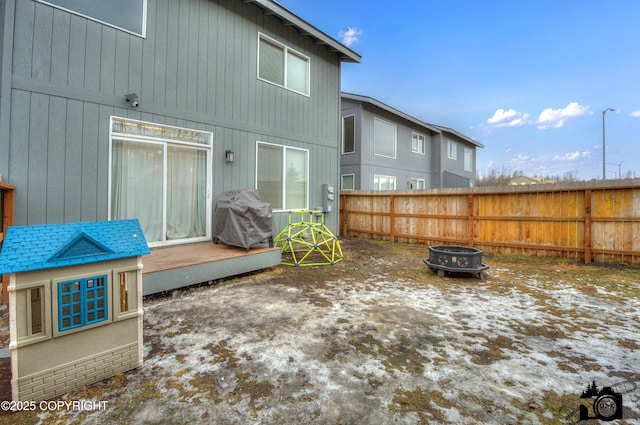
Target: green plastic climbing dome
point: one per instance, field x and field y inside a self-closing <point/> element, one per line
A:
<point x="308" y="242"/>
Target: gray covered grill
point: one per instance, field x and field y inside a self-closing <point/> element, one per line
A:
<point x="243" y="220"/>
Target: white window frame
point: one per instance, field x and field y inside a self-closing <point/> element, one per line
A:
<point x="395" y="138"/>
<point x="416" y="182"/>
<point x="377" y="182"/>
<point x="165" y="142"/>
<point x="468" y="159"/>
<point x="354" y="134"/>
<point x="452" y="150"/>
<point x="24" y="330"/>
<point x="53" y="3"/>
<point x="353" y="176"/>
<point x="285" y="148"/>
<point x="420" y="146"/>
<point x="287" y="50"/>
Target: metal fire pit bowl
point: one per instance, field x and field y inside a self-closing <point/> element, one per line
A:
<point x="455" y="259"/>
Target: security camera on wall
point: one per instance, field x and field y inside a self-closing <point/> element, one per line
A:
<point x="132" y="98"/>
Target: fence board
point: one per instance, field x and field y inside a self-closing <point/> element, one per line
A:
<point x="591" y="221"/>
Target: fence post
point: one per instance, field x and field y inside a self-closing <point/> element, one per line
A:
<point x="470" y="224"/>
<point x="392" y="219"/>
<point x="344" y="215"/>
<point x="6" y="220"/>
<point x="587" y="226"/>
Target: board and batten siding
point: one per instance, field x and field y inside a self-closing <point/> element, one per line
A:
<point x="456" y="167"/>
<point x="196" y="68"/>
<point x="406" y="165"/>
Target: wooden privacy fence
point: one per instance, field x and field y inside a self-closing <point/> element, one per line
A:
<point x="7" y="199"/>
<point x="592" y="221"/>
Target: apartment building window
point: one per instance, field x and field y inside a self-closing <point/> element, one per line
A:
<point x="127" y="15"/>
<point x="384" y="138"/>
<point x="348" y="182"/>
<point x="348" y="134"/>
<point x="384" y="182"/>
<point x="418" y="143"/>
<point x="417" y="184"/>
<point x="282" y="176"/>
<point x="452" y="150"/>
<point x="468" y="160"/>
<point x="282" y="66"/>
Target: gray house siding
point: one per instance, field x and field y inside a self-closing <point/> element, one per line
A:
<point x="405" y="166"/>
<point x="453" y="172"/>
<point x="196" y="68"/>
<point x="434" y="166"/>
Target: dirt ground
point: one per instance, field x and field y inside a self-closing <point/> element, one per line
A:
<point x="378" y="338"/>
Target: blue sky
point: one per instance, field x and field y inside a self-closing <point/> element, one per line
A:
<point x="528" y="79"/>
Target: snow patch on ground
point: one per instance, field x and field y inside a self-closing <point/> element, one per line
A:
<point x="348" y="351"/>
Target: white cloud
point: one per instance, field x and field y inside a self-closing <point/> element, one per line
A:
<point x="350" y="36"/>
<point x="636" y="113"/>
<point x="555" y="118"/>
<point x="507" y="118"/>
<point x="573" y="156"/>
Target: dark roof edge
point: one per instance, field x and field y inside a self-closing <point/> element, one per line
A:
<point x="270" y="6"/>
<point x="432" y="127"/>
<point x="367" y="99"/>
<point x="460" y="135"/>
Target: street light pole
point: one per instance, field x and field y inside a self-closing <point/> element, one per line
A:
<point x="604" y="150"/>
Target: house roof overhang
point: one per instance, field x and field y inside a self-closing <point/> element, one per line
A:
<point x="460" y="135"/>
<point x="432" y="127"/>
<point x="288" y="18"/>
<point x="377" y="103"/>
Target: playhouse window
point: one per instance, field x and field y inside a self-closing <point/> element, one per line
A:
<point x="82" y="302"/>
<point x="124" y="293"/>
<point x="36" y="307"/>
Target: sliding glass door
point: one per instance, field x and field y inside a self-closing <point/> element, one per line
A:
<point x="162" y="181"/>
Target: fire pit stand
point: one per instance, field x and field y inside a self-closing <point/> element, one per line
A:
<point x="455" y="259"/>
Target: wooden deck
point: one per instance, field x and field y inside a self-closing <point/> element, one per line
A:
<point x="174" y="267"/>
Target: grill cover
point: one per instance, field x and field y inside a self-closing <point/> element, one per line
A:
<point x="242" y="219"/>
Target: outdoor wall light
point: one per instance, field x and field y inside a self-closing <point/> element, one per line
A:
<point x="228" y="155"/>
<point x="132" y="98"/>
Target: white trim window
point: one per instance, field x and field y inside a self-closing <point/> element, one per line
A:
<point x="468" y="160"/>
<point x="384" y="138"/>
<point x="348" y="182"/>
<point x="381" y="182"/>
<point x="348" y="134"/>
<point x="418" y="143"/>
<point x="126" y="15"/>
<point x="417" y="183"/>
<point x="283" y="66"/>
<point x="161" y="175"/>
<point x="452" y="150"/>
<point x="282" y="176"/>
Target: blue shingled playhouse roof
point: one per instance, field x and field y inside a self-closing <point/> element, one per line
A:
<point x="46" y="246"/>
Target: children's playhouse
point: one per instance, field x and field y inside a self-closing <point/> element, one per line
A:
<point x="75" y="304"/>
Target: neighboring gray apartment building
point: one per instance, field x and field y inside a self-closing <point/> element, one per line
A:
<point x="152" y="109"/>
<point x="386" y="149"/>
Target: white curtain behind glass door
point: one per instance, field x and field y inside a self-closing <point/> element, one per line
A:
<point x="186" y="193"/>
<point x="137" y="185"/>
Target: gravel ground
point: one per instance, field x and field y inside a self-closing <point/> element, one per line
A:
<point x="379" y="339"/>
